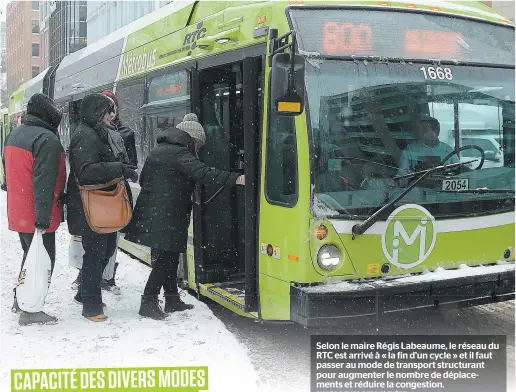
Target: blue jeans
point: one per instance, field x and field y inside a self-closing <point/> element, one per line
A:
<point x="98" y="248"/>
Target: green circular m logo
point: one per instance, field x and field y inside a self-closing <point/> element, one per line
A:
<point x="409" y="237"/>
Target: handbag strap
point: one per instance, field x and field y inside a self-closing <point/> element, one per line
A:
<point x="99" y="186"/>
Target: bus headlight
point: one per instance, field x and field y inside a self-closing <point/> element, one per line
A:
<point x="329" y="257"/>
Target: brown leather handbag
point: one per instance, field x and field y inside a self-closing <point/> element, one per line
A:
<point x="106" y="211"/>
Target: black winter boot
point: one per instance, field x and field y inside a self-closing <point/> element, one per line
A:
<point x="173" y="303"/>
<point x="78" y="299"/>
<point x="150" y="308"/>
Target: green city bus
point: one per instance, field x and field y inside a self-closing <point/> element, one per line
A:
<point x="15" y="108"/>
<point x="20" y="97"/>
<point x="321" y="106"/>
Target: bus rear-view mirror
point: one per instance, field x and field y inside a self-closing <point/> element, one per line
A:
<point x="287" y="84"/>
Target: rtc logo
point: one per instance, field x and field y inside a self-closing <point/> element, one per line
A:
<point x="194" y="36"/>
<point x="409" y="237"/>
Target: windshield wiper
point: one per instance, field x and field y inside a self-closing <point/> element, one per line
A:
<point x="442" y="167"/>
<point x="481" y="190"/>
<point x="360" y="228"/>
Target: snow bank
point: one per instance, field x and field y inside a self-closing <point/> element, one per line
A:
<point x="195" y="337"/>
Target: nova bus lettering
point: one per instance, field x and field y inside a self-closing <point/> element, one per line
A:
<point x="377" y="144"/>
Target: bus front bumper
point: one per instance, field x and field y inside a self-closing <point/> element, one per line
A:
<point x="338" y="303"/>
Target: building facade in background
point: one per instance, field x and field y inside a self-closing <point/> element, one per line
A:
<point x="67" y="29"/>
<point x="3" y="47"/>
<point x="45" y="9"/>
<point x="23" y="43"/>
<point x="104" y="17"/>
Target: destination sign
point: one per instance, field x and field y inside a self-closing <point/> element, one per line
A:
<point x="408" y="35"/>
<point x="169" y="86"/>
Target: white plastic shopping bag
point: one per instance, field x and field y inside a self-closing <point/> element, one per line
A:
<point x="109" y="270"/>
<point x="76" y="252"/>
<point x="34" y="279"/>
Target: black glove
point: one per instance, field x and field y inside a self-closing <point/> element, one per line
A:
<point x="130" y="173"/>
<point x="4" y="187"/>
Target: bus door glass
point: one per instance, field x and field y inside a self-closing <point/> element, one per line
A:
<point x="222" y="217"/>
<point x="225" y="219"/>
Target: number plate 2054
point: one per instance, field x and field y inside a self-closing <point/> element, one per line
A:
<point x="455" y="185"/>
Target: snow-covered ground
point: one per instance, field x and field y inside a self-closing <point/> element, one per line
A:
<point x="195" y="337"/>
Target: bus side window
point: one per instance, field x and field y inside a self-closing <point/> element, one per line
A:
<point x="281" y="165"/>
<point x="130" y="97"/>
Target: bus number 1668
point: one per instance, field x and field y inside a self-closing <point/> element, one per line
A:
<point x="437" y="73"/>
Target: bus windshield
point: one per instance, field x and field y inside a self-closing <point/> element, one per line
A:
<point x="371" y="123"/>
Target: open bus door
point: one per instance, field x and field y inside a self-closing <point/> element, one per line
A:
<point x="225" y="226"/>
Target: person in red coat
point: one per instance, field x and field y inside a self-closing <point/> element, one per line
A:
<point x="35" y="174"/>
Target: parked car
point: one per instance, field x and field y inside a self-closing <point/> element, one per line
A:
<point x="491" y="147"/>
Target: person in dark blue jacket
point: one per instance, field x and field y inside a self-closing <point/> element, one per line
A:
<point x="162" y="213"/>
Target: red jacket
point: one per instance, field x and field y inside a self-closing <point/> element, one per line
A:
<point x="35" y="174"/>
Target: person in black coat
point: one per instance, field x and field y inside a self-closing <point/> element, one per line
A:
<point x="92" y="162"/>
<point x="131" y="158"/>
<point x="124" y="147"/>
<point x="162" y="213"/>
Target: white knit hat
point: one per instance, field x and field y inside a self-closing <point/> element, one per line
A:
<point x="191" y="126"/>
